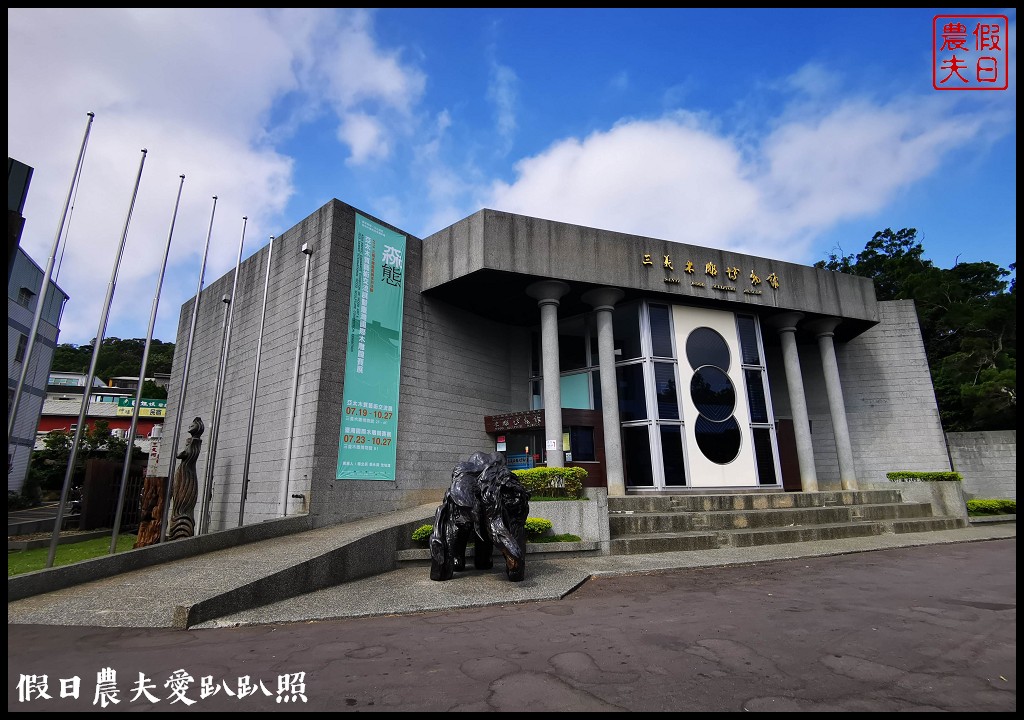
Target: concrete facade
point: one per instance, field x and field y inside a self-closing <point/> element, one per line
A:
<point x="467" y="325"/>
<point x="987" y="461"/>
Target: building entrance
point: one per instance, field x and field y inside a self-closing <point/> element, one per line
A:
<point x="695" y="407"/>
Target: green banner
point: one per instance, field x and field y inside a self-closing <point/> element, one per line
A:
<point x="373" y="361"/>
<point x="147" y="408"/>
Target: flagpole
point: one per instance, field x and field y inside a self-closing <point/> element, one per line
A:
<point x="308" y="252"/>
<point x="184" y="381"/>
<point x="87" y="391"/>
<point x="41" y="302"/>
<point x="219" y="391"/>
<point x="142" y="378"/>
<point x="255" y="386"/>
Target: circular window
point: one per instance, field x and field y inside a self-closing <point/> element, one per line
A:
<point x="719" y="441"/>
<point x="705" y="346"/>
<point x="712" y="393"/>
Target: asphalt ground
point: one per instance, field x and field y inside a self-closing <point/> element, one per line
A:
<point x="922" y="628"/>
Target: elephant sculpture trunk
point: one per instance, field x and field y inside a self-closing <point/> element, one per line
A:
<point x="487" y="503"/>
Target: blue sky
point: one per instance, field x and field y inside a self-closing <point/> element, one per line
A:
<point x="789" y="134"/>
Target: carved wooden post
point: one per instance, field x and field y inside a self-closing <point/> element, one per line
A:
<point x="151" y="512"/>
<point x="185" y="491"/>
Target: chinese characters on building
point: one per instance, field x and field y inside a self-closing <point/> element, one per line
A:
<point x="178" y="688"/>
<point x="712" y="270"/>
<point x="970" y="52"/>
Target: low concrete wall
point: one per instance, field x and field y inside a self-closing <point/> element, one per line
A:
<point x="946" y="496"/>
<point x="57" y="578"/>
<point x="987" y="461"/>
<point x="586" y="518"/>
<point x="18" y="545"/>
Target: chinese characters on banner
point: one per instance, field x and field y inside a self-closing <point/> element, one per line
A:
<point x="179" y="688"/>
<point x="970" y="52"/>
<point x="147" y="408"/>
<point x="369" y="421"/>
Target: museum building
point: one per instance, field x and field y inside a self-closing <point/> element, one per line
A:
<point x="350" y="365"/>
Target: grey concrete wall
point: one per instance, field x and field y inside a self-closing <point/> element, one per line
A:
<point x="587" y="519"/>
<point x="456" y="368"/>
<point x="890" y="400"/>
<point x="946" y="497"/>
<point x="501" y="241"/>
<point x="987" y="461"/>
<point x="277" y="359"/>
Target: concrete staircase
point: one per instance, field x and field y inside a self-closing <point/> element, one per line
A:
<point x="641" y="524"/>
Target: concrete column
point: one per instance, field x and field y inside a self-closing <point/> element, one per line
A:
<point x="824" y="329"/>
<point x="603" y="301"/>
<point x="786" y="326"/>
<point x="548" y="293"/>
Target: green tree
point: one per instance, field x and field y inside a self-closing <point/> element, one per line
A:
<point x="968" y="322"/>
<point x="152" y="391"/>
<point x="48" y="466"/>
<point x="118" y="357"/>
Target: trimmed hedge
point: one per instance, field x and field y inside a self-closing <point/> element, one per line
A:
<point x="914" y="476"/>
<point x="535" y="528"/>
<point x="992" y="507"/>
<point x="553" y="482"/>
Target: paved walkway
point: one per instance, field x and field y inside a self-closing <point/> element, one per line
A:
<point x="150" y="597"/>
<point x="926" y="628"/>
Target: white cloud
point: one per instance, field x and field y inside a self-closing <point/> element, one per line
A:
<point x="661" y="178"/>
<point x="359" y="71"/>
<point x="502" y="92"/>
<point x="365" y="136"/>
<point x="854" y="159"/>
<point x="371" y="91"/>
<point x="680" y="179"/>
<point x="198" y="88"/>
<point x="191" y="87"/>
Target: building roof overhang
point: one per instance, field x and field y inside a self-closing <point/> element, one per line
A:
<point x="485" y="262"/>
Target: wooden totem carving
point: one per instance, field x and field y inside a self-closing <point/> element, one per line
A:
<point x="185" y="490"/>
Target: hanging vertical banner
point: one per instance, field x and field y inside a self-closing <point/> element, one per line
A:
<point x="369" y="421"/>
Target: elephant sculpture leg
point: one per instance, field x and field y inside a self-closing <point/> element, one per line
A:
<point x="483" y="549"/>
<point x="442" y="563"/>
<point x="515" y="563"/>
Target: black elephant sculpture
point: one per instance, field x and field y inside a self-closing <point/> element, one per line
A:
<point x="488" y="503"/>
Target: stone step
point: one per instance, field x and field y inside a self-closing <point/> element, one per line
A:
<point x="927" y="524"/>
<point x="892" y="511"/>
<point x="623" y="524"/>
<point x="749" y="501"/>
<point x="799" y="533"/>
<point x="644" y="544"/>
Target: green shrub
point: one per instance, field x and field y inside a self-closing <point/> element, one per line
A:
<point x="553" y="482"/>
<point x="535" y="527"/>
<point x="914" y="476"/>
<point x="422" y="533"/>
<point x="991" y="507"/>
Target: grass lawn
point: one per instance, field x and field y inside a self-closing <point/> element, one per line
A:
<point x="23" y="561"/>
